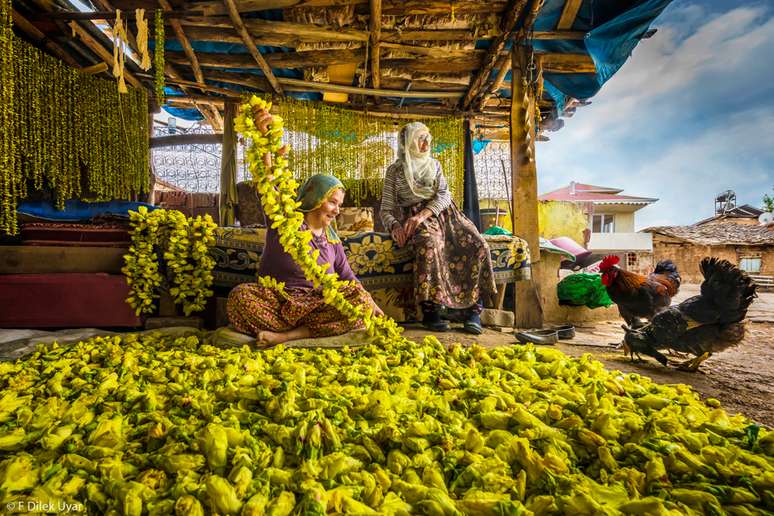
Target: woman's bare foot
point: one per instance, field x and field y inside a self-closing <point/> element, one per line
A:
<point x="273" y="338"/>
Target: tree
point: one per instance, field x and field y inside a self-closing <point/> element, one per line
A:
<point x="768" y="203"/>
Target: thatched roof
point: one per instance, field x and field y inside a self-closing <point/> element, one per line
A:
<point x="414" y="57"/>
<point x="720" y="234"/>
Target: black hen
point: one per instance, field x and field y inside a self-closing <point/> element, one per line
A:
<point x="703" y="324"/>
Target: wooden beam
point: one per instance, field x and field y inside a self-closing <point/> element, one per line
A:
<point x="559" y="34"/>
<point x="103" y="53"/>
<point x="436" y="65"/>
<point x="391" y="7"/>
<point x="570" y="11"/>
<point x="441" y="7"/>
<point x="568" y="63"/>
<point x="41" y="39"/>
<point x="236" y="19"/>
<point x="375" y="24"/>
<point x="528" y="310"/>
<point x="324" y="86"/>
<point x="95" y="69"/>
<point x="262" y="28"/>
<point x="512" y="14"/>
<point x="103" y="15"/>
<point x="312" y="58"/>
<point x="437" y="52"/>
<point x="185" y="139"/>
<point x="458" y="35"/>
<point x="215" y="7"/>
<point x="212" y="115"/>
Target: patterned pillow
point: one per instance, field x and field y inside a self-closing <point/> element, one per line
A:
<point x="355" y="219"/>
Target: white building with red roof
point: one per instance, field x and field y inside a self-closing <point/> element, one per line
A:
<point x="611" y="218"/>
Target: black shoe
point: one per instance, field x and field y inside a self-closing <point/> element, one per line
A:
<point x="432" y="320"/>
<point x="473" y="324"/>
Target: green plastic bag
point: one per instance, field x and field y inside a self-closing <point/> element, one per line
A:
<point x="497" y="230"/>
<point x="583" y="290"/>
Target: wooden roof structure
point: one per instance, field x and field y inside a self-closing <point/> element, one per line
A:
<point x="406" y="57"/>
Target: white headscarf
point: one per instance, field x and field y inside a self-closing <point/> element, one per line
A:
<point x="419" y="167"/>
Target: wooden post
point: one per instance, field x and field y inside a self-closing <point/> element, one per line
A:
<point x="528" y="307"/>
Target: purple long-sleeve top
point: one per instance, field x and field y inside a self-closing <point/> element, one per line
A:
<point x="275" y="262"/>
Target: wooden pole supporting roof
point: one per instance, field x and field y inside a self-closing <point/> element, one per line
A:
<point x="251" y="47"/>
<point x="528" y="310"/>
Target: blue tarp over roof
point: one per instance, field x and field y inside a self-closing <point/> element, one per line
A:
<point x="612" y="29"/>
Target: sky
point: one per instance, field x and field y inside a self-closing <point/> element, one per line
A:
<point x="690" y="115"/>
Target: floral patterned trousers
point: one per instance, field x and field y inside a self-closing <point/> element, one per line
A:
<point x="453" y="266"/>
<point x="253" y="308"/>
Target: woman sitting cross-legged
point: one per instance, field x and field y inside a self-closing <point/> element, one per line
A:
<point x="275" y="318"/>
<point x="452" y="268"/>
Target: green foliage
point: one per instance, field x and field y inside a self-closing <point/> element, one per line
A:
<point x="768" y="203"/>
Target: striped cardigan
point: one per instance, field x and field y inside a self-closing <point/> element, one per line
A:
<point x="396" y="194"/>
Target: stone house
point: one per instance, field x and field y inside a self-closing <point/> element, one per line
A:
<point x="749" y="246"/>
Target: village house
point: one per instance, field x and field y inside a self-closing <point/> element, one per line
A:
<point x="749" y="246"/>
<point x="611" y="221"/>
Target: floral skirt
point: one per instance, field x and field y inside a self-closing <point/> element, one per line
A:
<point x="453" y="266"/>
<point x="253" y="308"/>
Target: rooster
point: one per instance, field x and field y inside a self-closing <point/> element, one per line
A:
<point x="637" y="296"/>
<point x="703" y="324"/>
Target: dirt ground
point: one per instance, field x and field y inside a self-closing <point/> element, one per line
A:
<point x="742" y="378"/>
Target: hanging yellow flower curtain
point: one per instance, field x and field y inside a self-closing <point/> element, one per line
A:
<point x="67" y="132"/>
<point x="356" y="147"/>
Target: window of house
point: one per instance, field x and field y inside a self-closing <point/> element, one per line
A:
<point x="603" y="223"/>
<point x="631" y="260"/>
<point x="750" y="264"/>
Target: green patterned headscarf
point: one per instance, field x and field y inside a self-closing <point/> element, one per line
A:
<point x="316" y="191"/>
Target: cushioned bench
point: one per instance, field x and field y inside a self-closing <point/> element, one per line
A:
<point x="383" y="268"/>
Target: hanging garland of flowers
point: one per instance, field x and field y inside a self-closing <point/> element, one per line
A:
<point x="70" y="133"/>
<point x="169" y="252"/>
<point x="9" y="180"/>
<point x="358" y="147"/>
<point x="276" y="187"/>
<point x="158" y="59"/>
<point x="142" y="261"/>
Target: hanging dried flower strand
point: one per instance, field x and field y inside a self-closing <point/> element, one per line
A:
<point x="67" y="133"/>
<point x="158" y="58"/>
<point x="9" y="177"/>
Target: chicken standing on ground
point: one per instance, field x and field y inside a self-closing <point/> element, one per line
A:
<point x="703" y="324"/>
<point x="637" y="296"/>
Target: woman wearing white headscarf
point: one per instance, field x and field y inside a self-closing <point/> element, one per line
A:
<point x="453" y="268"/>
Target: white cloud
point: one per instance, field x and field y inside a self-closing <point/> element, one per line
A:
<point x="688" y="116"/>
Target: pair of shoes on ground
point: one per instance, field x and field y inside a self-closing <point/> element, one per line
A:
<point x="433" y="320"/>
<point x="548" y="336"/>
